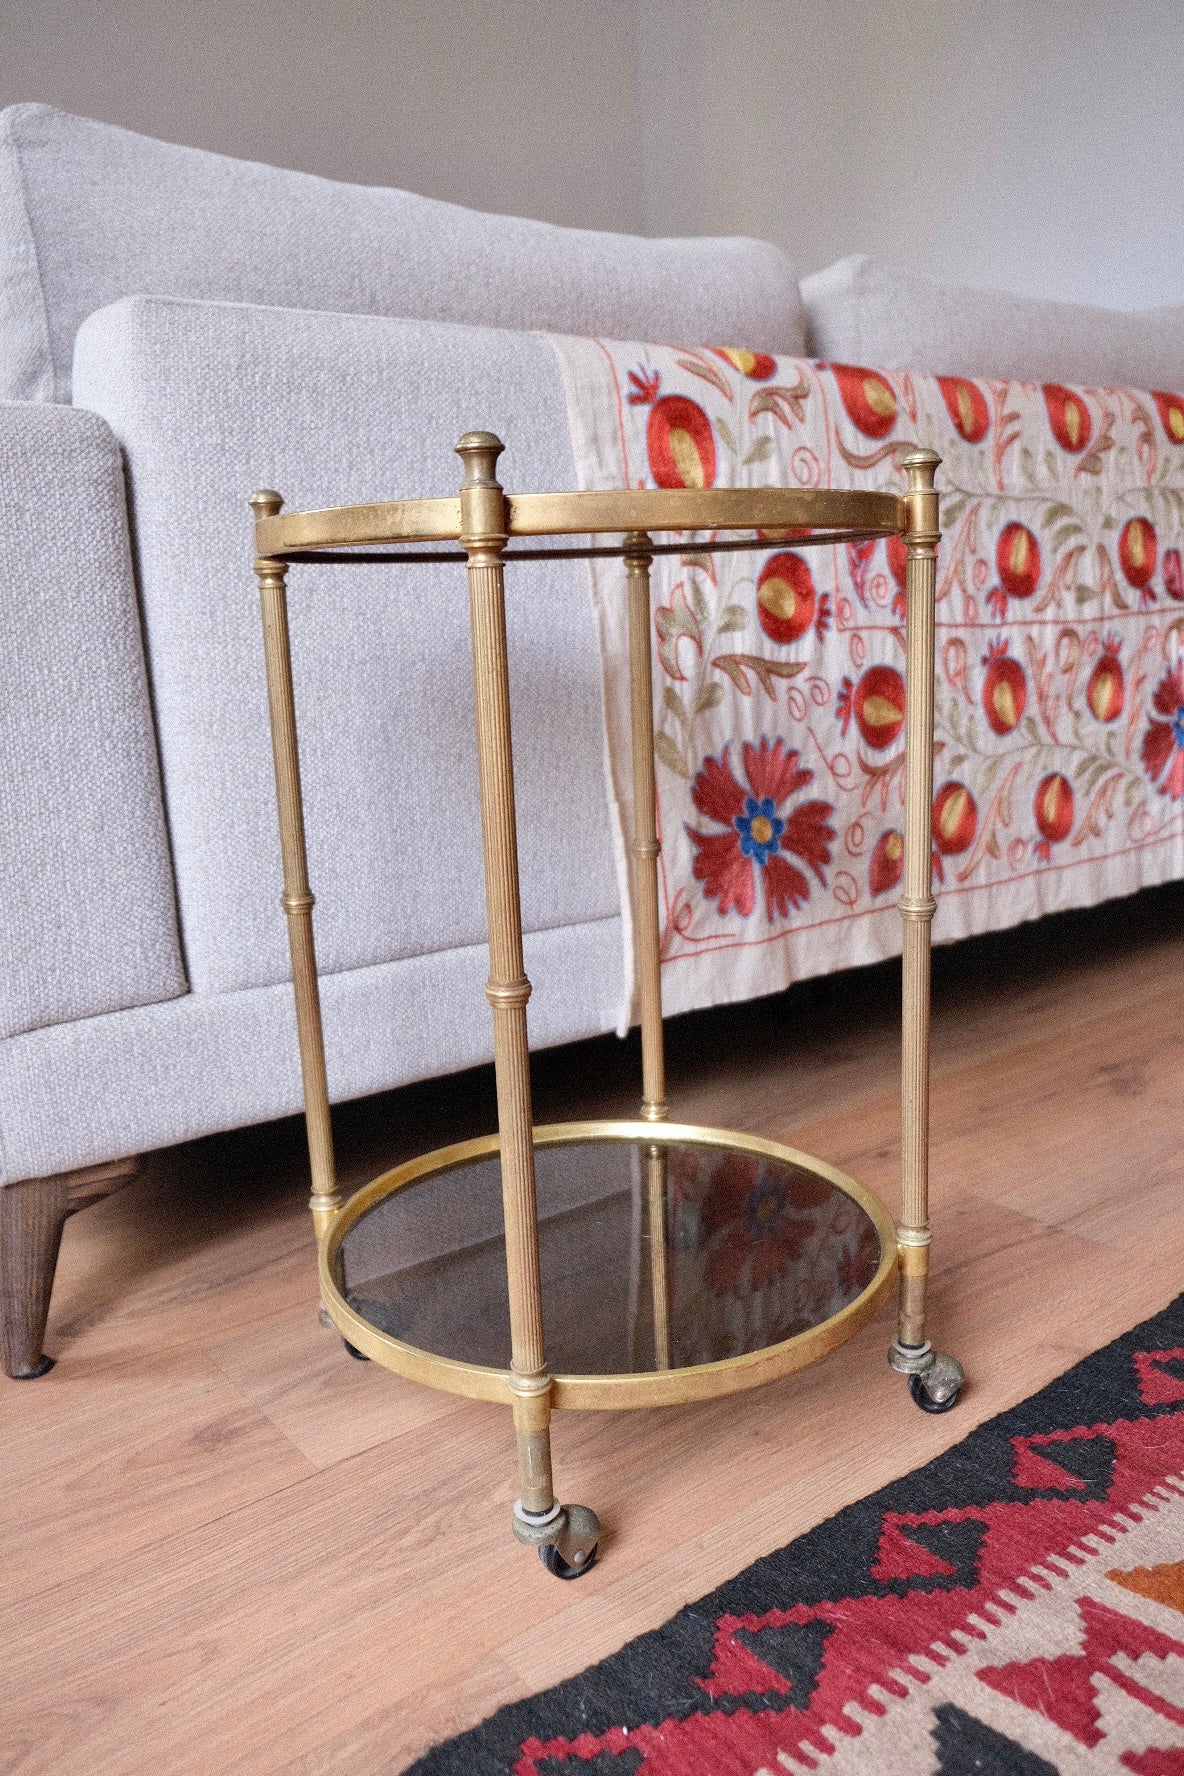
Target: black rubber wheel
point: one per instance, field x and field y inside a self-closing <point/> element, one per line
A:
<point x="555" y="1563"/>
<point x="925" y="1402"/>
<point x="355" y="1353"/>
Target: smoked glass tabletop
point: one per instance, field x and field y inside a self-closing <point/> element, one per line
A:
<point x="653" y="1256"/>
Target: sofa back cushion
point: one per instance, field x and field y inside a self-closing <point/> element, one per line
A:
<point x="90" y="213"/>
<point x="862" y="311"/>
<point x="211" y="401"/>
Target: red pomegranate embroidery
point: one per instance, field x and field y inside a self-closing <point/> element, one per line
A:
<point x="885" y="866"/>
<point x="876" y="702"/>
<point x="1053" y="807"/>
<point x="1138" y="552"/>
<point x="678" y="435"/>
<point x="967" y="407"/>
<point x="1017" y="561"/>
<point x="757" y="366"/>
<point x="1173" y="575"/>
<point x="1068" y="416"/>
<point x="1005" y="689"/>
<point x="898" y="557"/>
<point x="1106" y="691"/>
<point x="786" y="598"/>
<point x="955" y="819"/>
<point x="1171" y="413"/>
<point x="867" y="397"/>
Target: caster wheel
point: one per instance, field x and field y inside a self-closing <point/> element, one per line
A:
<point x="554" y="1562"/>
<point x="938" y="1388"/>
<point x="925" y="1401"/>
<point x="355" y="1353"/>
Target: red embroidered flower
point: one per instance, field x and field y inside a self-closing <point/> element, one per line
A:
<point x="756" y="1221"/>
<point x="1163" y="744"/>
<point x="758" y="835"/>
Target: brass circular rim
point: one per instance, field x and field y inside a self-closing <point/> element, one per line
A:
<point x="592" y="512"/>
<point x="661" y="1387"/>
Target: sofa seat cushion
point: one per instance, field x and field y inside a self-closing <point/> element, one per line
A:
<point x="862" y="311"/>
<point x="78" y="1093"/>
<point x="90" y="213"/>
<point x="212" y="401"/>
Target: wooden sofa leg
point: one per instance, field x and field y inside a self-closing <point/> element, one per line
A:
<point x="32" y="1215"/>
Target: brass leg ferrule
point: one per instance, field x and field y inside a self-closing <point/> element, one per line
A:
<point x="532" y="1431"/>
<point x="912" y="1254"/>
<point x="323" y="1210"/>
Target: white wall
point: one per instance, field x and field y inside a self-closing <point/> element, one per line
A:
<point x="1036" y="145"/>
<point x="1033" y="145"/>
<point x="526" y="106"/>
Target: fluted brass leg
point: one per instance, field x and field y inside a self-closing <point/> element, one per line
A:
<point x="917" y="904"/>
<point x="647" y="921"/>
<point x="646" y="849"/>
<point x="297" y="899"/>
<point x="934" y="1387"/>
<point x="483" y="537"/>
<point x="566" y="1536"/>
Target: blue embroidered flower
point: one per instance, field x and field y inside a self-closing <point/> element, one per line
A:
<point x="765" y="1209"/>
<point x="760" y="829"/>
<point x="756" y="840"/>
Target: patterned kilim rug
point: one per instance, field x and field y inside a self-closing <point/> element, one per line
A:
<point x="1015" y="1608"/>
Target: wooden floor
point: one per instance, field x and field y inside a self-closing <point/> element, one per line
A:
<point x="226" y="1547"/>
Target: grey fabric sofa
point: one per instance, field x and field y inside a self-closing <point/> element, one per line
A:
<point x="242" y="333"/>
<point x="177" y="329"/>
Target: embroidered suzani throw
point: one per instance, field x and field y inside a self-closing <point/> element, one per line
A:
<point x="779" y="698"/>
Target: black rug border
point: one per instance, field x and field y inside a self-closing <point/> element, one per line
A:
<point x="650" y="1678"/>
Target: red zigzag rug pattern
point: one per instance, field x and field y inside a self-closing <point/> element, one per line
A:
<point x="1015" y="1608"/>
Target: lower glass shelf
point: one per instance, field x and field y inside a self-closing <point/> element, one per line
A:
<point x="677" y="1263"/>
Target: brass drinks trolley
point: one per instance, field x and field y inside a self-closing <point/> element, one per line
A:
<point x="681" y="1357"/>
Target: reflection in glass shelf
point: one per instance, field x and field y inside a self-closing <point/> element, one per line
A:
<point x="654" y="1255"/>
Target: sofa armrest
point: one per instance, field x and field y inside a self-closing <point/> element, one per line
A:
<point x="87" y="911"/>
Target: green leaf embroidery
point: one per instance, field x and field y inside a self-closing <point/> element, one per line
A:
<point x="700" y="603"/>
<point x="674" y="704"/>
<point x="738" y="667"/>
<point x="670" y="756"/>
<point x="758" y="451"/>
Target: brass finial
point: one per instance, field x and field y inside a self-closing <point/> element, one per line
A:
<point x="266" y="503"/>
<point x="479" y="452"/>
<point x="921" y="466"/>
